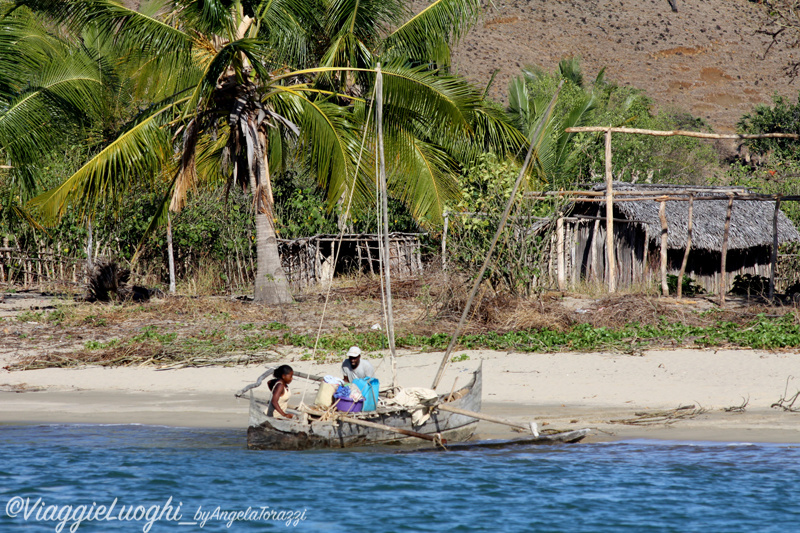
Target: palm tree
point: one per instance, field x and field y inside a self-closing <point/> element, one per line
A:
<point x="526" y="109"/>
<point x="360" y="33"/>
<point x="242" y="86"/>
<point x="48" y="91"/>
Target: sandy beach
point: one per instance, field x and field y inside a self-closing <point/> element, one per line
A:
<point x="561" y="390"/>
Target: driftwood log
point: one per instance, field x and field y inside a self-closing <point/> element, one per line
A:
<point x="662" y="417"/>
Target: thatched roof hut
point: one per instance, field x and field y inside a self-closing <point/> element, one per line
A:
<point x="637" y="236"/>
<point x="751" y="221"/>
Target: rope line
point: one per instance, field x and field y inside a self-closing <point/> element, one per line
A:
<point x="341" y="234"/>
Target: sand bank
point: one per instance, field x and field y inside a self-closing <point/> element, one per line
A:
<point x="565" y="390"/>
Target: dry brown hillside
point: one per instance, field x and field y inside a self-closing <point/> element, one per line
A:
<point x="706" y="59"/>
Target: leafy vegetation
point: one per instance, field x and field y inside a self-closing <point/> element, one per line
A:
<point x="485" y="190"/>
<point x="247" y="91"/>
<point x="750" y="285"/>
<point x="164" y="116"/>
<point x="688" y="285"/>
<point x="780" y="117"/>
<point x="580" y="157"/>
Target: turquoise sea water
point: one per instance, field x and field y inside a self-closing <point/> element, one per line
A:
<point x="624" y="486"/>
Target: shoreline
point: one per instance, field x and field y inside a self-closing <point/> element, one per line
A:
<point x="563" y="391"/>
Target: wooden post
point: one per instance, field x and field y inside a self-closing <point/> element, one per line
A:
<point x="672" y="133"/>
<point x="595" y="235"/>
<point x="612" y="281"/>
<point x="444" y="243"/>
<point x="774" y="257"/>
<point x="662" y="214"/>
<point x="575" y="268"/>
<point x="723" y="280"/>
<point x="366" y="423"/>
<point x="317" y="262"/>
<point x="369" y="258"/>
<point x="89" y="258"/>
<point x="400" y="261"/>
<point x="630" y="269"/>
<point x="646" y="260"/>
<point x="171" y="256"/>
<point x="560" y="251"/>
<point x="418" y="254"/>
<point x="481" y="416"/>
<point x="688" y="247"/>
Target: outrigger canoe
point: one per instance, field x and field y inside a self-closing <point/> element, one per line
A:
<point x="268" y="433"/>
<point x="385" y="426"/>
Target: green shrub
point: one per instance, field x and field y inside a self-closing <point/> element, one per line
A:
<point x="781" y="117"/>
<point x="688" y="287"/>
<point x="750" y="285"/>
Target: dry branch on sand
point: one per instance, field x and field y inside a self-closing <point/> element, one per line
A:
<point x="662" y="417"/>
<point x="738" y="408"/>
<point x="142" y="355"/>
<point x="787" y="402"/>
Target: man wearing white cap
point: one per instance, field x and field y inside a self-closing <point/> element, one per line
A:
<point x="354" y="368"/>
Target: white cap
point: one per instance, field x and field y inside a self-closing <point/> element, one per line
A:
<point x="354" y="351"/>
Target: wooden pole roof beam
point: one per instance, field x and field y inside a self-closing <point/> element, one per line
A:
<point x="683" y="133"/>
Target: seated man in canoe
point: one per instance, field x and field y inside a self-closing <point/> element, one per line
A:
<point x="354" y="368"/>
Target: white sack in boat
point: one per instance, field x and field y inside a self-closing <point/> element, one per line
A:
<point x="417" y="400"/>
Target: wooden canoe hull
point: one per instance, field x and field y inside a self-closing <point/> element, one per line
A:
<point x="268" y="433"/>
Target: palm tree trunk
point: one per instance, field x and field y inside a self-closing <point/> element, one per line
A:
<point x="271" y="286"/>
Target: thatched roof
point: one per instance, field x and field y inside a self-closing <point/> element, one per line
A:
<point x="751" y="221"/>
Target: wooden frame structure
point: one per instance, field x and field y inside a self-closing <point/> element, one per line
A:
<point x="309" y="260"/>
<point x="609" y="192"/>
<point x="631" y="243"/>
<point x="38" y="268"/>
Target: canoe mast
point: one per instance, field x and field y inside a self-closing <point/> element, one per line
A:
<point x="500" y="228"/>
<point x="383" y="212"/>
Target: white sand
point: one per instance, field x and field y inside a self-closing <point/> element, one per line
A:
<point x="563" y="390"/>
